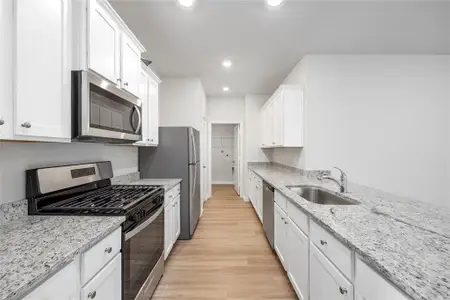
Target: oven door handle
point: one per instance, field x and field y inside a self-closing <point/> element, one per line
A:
<point x="140" y="227"/>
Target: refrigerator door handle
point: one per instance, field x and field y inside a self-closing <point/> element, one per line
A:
<point x="193" y="144"/>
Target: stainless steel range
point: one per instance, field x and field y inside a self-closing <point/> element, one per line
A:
<point x="85" y="189"/>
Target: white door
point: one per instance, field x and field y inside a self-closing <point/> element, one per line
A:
<point x="280" y="233"/>
<point x="130" y="65"/>
<point x="107" y="284"/>
<point x="153" y="98"/>
<point x="6" y="71"/>
<point x="237" y="159"/>
<point x="168" y="231"/>
<point x="104" y="44"/>
<point x="64" y="285"/>
<point x="298" y="259"/>
<point x="326" y="280"/>
<point x="42" y="103"/>
<point x="206" y="161"/>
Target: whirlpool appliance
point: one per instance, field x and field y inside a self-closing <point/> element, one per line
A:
<point x="86" y="189"/>
<point x="102" y="112"/>
<point x="177" y="156"/>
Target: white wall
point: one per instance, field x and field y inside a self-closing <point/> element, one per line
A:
<point x="224" y="109"/>
<point x="15" y="158"/>
<point x="182" y="102"/>
<point x="222" y="153"/>
<point x="383" y="119"/>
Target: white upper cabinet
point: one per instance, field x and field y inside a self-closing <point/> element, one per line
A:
<point x="130" y="65"/>
<point x="282" y="118"/>
<point x="103" y="37"/>
<point x="148" y="91"/>
<point x="6" y="82"/>
<point x="104" y="44"/>
<point x="42" y="102"/>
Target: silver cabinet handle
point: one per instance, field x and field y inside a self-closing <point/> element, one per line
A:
<point x="108" y="250"/>
<point x="92" y="295"/>
<point x="26" y="125"/>
<point x="2" y="122"/>
<point x="323" y="242"/>
<point x="343" y="290"/>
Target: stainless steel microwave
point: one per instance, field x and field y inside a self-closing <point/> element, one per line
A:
<point x="102" y="112"/>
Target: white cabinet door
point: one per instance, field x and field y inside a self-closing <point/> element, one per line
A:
<point x="64" y="285"/>
<point x="103" y="42"/>
<point x="107" y="284"/>
<point x="298" y="260"/>
<point x="278" y="121"/>
<point x="143" y="95"/>
<point x="6" y="71"/>
<point x="326" y="281"/>
<point x="280" y="233"/>
<point x="42" y="102"/>
<point x="153" y="98"/>
<point x="130" y="65"/>
<point x="168" y="231"/>
<point x="176" y="219"/>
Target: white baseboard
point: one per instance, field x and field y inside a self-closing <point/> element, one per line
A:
<point x="246" y="199"/>
<point x="222" y="182"/>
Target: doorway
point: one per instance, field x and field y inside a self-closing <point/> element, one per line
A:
<point x="225" y="159"/>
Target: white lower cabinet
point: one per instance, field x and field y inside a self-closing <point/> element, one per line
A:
<point x="107" y="284"/>
<point x="298" y="259"/>
<point x="172" y="219"/>
<point x="256" y="193"/>
<point x="327" y="282"/>
<point x="76" y="282"/>
<point x="64" y="285"/>
<point x="280" y="234"/>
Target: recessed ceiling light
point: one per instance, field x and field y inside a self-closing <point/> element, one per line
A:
<point x="274" y="2"/>
<point x="226" y="89"/>
<point x="186" y="3"/>
<point x="227" y="63"/>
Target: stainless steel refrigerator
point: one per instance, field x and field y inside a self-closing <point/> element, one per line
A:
<point x="177" y="156"/>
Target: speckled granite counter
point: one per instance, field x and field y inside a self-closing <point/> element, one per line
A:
<point x="33" y="248"/>
<point x="407" y="241"/>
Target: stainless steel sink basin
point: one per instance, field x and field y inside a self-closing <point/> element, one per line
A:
<point x="319" y="196"/>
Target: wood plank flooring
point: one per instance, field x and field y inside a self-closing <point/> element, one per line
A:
<point x="228" y="258"/>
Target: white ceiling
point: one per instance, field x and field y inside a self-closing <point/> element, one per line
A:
<point x="266" y="44"/>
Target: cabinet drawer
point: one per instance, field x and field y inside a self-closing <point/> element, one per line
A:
<point x="339" y="255"/>
<point x="281" y="200"/>
<point x="298" y="217"/>
<point x="107" y="284"/>
<point x="369" y="283"/>
<point x="172" y="194"/>
<point x="98" y="256"/>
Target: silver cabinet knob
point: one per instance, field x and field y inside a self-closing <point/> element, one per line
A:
<point x="125" y="83"/>
<point x="152" y="140"/>
<point x="108" y="250"/>
<point x="323" y="243"/>
<point x="273" y="143"/>
<point x="343" y="290"/>
<point x="92" y="295"/>
<point x="286" y="222"/>
<point x="148" y="140"/>
<point x="26" y="125"/>
<point x="2" y="122"/>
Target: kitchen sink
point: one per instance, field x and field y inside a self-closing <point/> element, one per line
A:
<point x="320" y="196"/>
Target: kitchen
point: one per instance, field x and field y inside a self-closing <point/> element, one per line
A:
<point x="370" y="99"/>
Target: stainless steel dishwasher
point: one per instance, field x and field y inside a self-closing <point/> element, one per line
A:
<point x="268" y="217"/>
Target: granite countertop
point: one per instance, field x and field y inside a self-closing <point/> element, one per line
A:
<point x="405" y="240"/>
<point x="33" y="248"/>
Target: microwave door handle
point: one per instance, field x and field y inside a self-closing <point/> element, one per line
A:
<point x="138" y="127"/>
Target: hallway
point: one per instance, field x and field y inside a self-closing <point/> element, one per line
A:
<point x="228" y="258"/>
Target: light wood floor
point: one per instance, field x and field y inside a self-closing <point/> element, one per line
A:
<point x="228" y="258"/>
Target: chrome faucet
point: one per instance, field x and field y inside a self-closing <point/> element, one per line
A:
<point x="342" y="183"/>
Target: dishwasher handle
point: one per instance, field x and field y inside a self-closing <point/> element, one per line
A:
<point x="268" y="187"/>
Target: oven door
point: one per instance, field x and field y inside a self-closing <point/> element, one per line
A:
<point x="144" y="257"/>
<point x="102" y="111"/>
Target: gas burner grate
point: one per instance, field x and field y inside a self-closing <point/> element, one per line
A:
<point x="109" y="200"/>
